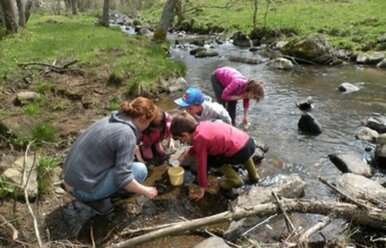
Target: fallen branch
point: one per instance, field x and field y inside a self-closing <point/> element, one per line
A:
<point x="347" y="197"/>
<point x="374" y="217"/>
<point x="288" y="221"/>
<point x="303" y="239"/>
<point x="57" y="69"/>
<point x="14" y="231"/>
<point x="25" y="186"/>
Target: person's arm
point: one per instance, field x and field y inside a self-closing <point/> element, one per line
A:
<point x="136" y="187"/>
<point x="201" y="161"/>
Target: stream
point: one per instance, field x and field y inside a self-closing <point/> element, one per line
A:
<point x="274" y="119"/>
<point x="273" y="122"/>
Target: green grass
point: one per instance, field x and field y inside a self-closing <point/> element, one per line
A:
<point x="45" y="165"/>
<point x="60" y="38"/>
<point x="345" y="22"/>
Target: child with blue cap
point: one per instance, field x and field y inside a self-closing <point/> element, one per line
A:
<point x="201" y="107"/>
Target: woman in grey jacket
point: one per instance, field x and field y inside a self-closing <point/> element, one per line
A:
<point x="101" y="161"/>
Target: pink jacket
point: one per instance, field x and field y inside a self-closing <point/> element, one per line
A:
<point x="234" y="83"/>
<point x="156" y="135"/>
<point x="214" y="138"/>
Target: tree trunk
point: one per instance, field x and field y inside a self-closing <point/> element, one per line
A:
<point x="9" y="15"/>
<point x="28" y="7"/>
<point x="373" y="217"/>
<point x="20" y="6"/>
<point x="166" y="18"/>
<point x="1" y="15"/>
<point x="106" y="16"/>
<point x="74" y="7"/>
<point x="180" y="13"/>
<point x="254" y="15"/>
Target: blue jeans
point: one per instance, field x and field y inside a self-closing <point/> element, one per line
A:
<point x="107" y="187"/>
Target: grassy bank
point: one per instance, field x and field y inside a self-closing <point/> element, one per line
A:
<point x="132" y="59"/>
<point x="353" y="24"/>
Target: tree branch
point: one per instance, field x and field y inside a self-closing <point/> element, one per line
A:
<point x="373" y="217"/>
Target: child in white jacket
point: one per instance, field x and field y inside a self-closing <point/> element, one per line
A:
<point x="201" y="106"/>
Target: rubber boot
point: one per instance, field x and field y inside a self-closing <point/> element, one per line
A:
<point x="252" y="173"/>
<point x="233" y="180"/>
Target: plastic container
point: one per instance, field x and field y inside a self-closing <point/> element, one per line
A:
<point x="176" y="175"/>
<point x="175" y="163"/>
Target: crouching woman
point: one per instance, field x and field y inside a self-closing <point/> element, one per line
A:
<point x="100" y="164"/>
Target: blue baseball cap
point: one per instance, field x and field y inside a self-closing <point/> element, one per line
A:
<point x="191" y="96"/>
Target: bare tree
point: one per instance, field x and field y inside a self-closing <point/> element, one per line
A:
<point x="106" y="16"/>
<point x="255" y="5"/>
<point x="9" y="15"/>
<point x="1" y="15"/>
<point x="74" y="7"/>
<point x="20" y="6"/>
<point x="166" y="19"/>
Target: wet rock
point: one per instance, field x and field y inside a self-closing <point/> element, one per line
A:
<point x="382" y="64"/>
<point x="375" y="58"/>
<point x="207" y="53"/>
<point x="382" y="139"/>
<point x="246" y="59"/>
<point x="362" y="58"/>
<point x="376" y="123"/>
<point x="360" y="187"/>
<point x="347" y="87"/>
<point x="367" y="134"/>
<point x="212" y="242"/>
<point x="281" y="63"/>
<point x="309" y="124"/>
<point x="305" y="104"/>
<point x="350" y="163"/>
<point x="380" y="155"/>
<point x="290" y="187"/>
<point x="241" y="40"/>
<point x="196" y="50"/>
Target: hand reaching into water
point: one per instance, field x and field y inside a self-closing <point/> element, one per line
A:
<point x="151" y="192"/>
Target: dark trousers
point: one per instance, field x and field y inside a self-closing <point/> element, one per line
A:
<point x="239" y="157"/>
<point x="229" y="105"/>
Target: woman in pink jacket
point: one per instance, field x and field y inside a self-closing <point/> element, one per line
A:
<point x="230" y="85"/>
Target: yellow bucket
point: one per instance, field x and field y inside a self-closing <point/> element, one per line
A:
<point x="176" y="175"/>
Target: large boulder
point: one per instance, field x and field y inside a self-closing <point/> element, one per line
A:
<point x="311" y="49"/>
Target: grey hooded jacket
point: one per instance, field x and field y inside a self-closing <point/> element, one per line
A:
<point x="107" y="144"/>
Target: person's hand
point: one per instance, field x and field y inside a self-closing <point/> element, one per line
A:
<point x="197" y="195"/>
<point x="172" y="145"/>
<point x="182" y="157"/>
<point x="245" y="123"/>
<point x="151" y="192"/>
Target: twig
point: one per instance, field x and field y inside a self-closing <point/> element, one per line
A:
<point x="15" y="232"/>
<point x="288" y="221"/>
<point x="26" y="195"/>
<point x="349" y="198"/>
<point x="92" y="237"/>
<point x="320" y="225"/>
<point x="259" y="224"/>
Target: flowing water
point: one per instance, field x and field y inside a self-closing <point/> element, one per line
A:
<point x="274" y="119"/>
